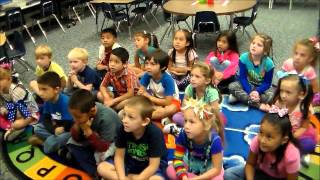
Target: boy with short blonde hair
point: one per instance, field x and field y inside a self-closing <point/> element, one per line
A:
<point x="43" y="56"/>
<point x="81" y="76"/>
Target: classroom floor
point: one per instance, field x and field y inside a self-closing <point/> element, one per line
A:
<point x="282" y="25"/>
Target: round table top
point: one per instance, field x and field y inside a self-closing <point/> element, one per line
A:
<point x="220" y="7"/>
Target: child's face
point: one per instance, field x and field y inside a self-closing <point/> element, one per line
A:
<point x="107" y="40"/>
<point x="197" y="79"/>
<point x="193" y="126"/>
<point x="76" y="65"/>
<point x="222" y="44"/>
<point x="132" y="120"/>
<point x="140" y="42"/>
<point x="270" y="137"/>
<point x="152" y="67"/>
<point x="257" y="46"/>
<point x="43" y="61"/>
<point x="5" y="85"/>
<point x="115" y="64"/>
<point x="301" y="57"/>
<point x="79" y="117"/>
<point x="290" y="93"/>
<point x="179" y="41"/>
<point x="48" y="93"/>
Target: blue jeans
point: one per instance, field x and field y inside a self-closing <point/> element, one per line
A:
<point x="234" y="173"/>
<point x="84" y="155"/>
<point x="52" y="143"/>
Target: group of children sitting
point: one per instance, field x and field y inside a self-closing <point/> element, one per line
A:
<point x="101" y="118"/>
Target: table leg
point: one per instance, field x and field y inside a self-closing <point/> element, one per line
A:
<point x="97" y="17"/>
<point x="231" y="22"/>
<point x="172" y="23"/>
<point x="165" y="32"/>
<point x="128" y="21"/>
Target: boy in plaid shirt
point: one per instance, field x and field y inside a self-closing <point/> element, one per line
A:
<point x="120" y="83"/>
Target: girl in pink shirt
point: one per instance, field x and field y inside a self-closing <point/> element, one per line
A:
<point x="224" y="60"/>
<point x="295" y="94"/>
<point x="273" y="152"/>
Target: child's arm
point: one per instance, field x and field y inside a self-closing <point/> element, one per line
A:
<point x="107" y="99"/>
<point x="243" y="78"/>
<point x="266" y="83"/>
<point x="95" y="141"/>
<point x="100" y="66"/>
<point x="119" y="162"/>
<point x="123" y="97"/>
<point x="166" y="101"/>
<point x="314" y="85"/>
<point x="232" y="68"/>
<point x="136" y="62"/>
<point x="80" y="85"/>
<point x="178" y="162"/>
<point x="302" y="129"/>
<point x="215" y="170"/>
<point x="63" y="82"/>
<point x="150" y="170"/>
<point x="177" y="70"/>
<point x="250" y="166"/>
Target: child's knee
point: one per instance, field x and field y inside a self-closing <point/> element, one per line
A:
<point x="105" y="166"/>
<point x="19" y="124"/>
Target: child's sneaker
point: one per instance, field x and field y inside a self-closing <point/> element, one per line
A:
<point x="232" y="99"/>
<point x="171" y="129"/>
<point x="64" y="153"/>
<point x="165" y="121"/>
<point x="12" y="134"/>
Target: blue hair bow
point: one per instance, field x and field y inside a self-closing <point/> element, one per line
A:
<point x="282" y="74"/>
<point x="12" y="108"/>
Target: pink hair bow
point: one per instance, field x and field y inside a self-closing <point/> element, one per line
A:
<point x="316" y="43"/>
<point x="280" y="111"/>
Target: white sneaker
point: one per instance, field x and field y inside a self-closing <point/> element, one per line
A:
<point x="171" y="129"/>
<point x="165" y="121"/>
<point x="11" y="134"/>
<point x="232" y="99"/>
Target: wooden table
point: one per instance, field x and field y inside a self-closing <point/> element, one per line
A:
<point x="220" y="7"/>
<point x="119" y="2"/>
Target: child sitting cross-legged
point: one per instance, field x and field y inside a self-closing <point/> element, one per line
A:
<point x="141" y="150"/>
<point x="19" y="109"/>
<point x="159" y="86"/>
<point x="199" y="146"/>
<point x="120" y="83"/>
<point x="55" y="121"/>
<point x="43" y="54"/>
<point x="108" y="38"/>
<point x="81" y="76"/>
<point x="273" y="152"/>
<point x="93" y="132"/>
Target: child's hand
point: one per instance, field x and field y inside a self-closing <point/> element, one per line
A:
<point x="254" y="96"/>
<point x="3" y="111"/>
<point x="73" y="78"/>
<point x="58" y="130"/>
<point x="265" y="107"/>
<point x="218" y="75"/>
<point x="86" y="125"/>
<point x="141" y="91"/>
<point x="185" y="178"/>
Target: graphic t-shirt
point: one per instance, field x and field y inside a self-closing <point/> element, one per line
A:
<point x="138" y="151"/>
